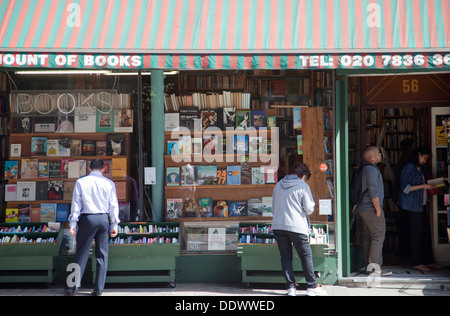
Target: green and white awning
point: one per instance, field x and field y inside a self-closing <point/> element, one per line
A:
<point x="225" y="34"/>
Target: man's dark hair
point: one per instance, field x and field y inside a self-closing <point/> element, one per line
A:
<point x="97" y="164"/>
<point x="301" y="170"/>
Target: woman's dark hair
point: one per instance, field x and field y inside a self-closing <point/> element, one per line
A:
<point x="422" y="150"/>
<point x="301" y="170"/>
<point x="97" y="164"/>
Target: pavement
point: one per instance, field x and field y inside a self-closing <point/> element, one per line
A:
<point x="404" y="281"/>
<point x="211" y="289"/>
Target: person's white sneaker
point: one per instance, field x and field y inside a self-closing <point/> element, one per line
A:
<point x="292" y="292"/>
<point x="317" y="291"/>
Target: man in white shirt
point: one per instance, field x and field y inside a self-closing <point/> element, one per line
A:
<point x="94" y="201"/>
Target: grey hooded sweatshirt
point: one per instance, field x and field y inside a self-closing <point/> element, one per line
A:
<point x="292" y="202"/>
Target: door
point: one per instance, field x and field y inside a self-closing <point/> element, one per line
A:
<point x="440" y="162"/>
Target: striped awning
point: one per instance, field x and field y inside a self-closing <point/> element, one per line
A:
<point x="219" y="28"/>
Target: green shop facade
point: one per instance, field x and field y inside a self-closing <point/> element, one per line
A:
<point x="182" y="47"/>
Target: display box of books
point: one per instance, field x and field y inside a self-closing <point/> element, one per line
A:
<point x="30" y="239"/>
<point x="154" y="236"/>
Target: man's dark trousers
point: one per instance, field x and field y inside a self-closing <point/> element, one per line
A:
<point x="90" y="227"/>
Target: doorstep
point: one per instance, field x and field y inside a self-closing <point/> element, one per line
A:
<point x="401" y="278"/>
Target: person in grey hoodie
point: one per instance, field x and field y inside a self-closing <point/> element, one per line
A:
<point x="292" y="203"/>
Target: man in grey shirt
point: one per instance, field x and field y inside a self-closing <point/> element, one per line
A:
<point x="370" y="209"/>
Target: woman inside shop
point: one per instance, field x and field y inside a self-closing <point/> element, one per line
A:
<point x="413" y="199"/>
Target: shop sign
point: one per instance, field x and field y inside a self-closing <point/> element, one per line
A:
<point x="227" y="61"/>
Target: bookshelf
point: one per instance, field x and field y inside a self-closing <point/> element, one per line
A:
<point x="281" y="95"/>
<point x="29" y="251"/>
<point x="143" y="252"/>
<point x="48" y="159"/>
<point x="260" y="257"/>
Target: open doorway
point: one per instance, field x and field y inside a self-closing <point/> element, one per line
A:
<point x="398" y="113"/>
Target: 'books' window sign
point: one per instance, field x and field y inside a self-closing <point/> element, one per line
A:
<point x="65" y="102"/>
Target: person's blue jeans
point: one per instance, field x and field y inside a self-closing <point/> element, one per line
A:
<point x="285" y="240"/>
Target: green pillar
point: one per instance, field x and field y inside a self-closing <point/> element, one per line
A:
<point x="342" y="178"/>
<point x="157" y="132"/>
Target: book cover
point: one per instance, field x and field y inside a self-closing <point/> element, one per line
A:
<point x="23" y="125"/>
<point x="171" y="121"/>
<point x="271" y="121"/>
<point x="300" y="144"/>
<point x="220" y="208"/>
<point x="41" y="190"/>
<point x="233" y="175"/>
<point x="237" y="208"/>
<point x="75" y="147"/>
<point x="174" y="208"/>
<point x="188" y="175"/>
<point x="29" y="169"/>
<point x="191" y="208"/>
<point x="211" y="144"/>
<point x="255" y="207"/>
<point x="270" y="174"/>
<point x="52" y="147"/>
<point x="240" y="144"/>
<point x="26" y="191"/>
<point x="172" y="148"/>
<point x="121" y="190"/>
<point x="38" y="146"/>
<point x="188" y="115"/>
<point x="11" y="215"/>
<point x="267" y="206"/>
<point x="43" y="169"/>
<point x="297" y="118"/>
<point x="185" y="145"/>
<point x="205" y="207"/>
<point x="124" y="211"/>
<point x="100" y="147"/>
<point x="15" y="150"/>
<point x="123" y="121"/>
<point x="85" y="119"/>
<point x="243" y="120"/>
<point x="11" y="169"/>
<point x="209" y="119"/>
<point x="104" y="122"/>
<point x="65" y="123"/>
<point x="64" y="170"/>
<point x="119" y="167"/>
<point x="35" y="216"/>
<point x="107" y="171"/>
<point x="48" y="212"/>
<point x="258" y="119"/>
<point x="88" y="147"/>
<point x="254" y="144"/>
<point x="229" y="118"/>
<point x="246" y="170"/>
<point x="258" y="175"/>
<point x="115" y="144"/>
<point x="73" y="169"/>
<point x="197" y="146"/>
<point x="55" y="189"/>
<point x="44" y="124"/>
<point x="24" y="213"/>
<point x="207" y="175"/>
<point x="62" y="212"/>
<point x="64" y="147"/>
<point x="10" y="192"/>
<point x="68" y="190"/>
<point x="172" y="176"/>
<point x="222" y="176"/>
<point x="54" y="169"/>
